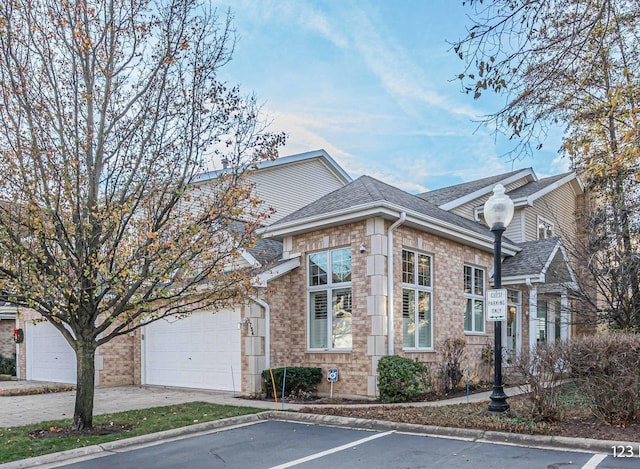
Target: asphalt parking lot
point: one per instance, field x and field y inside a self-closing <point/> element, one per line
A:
<point x="282" y="444"/>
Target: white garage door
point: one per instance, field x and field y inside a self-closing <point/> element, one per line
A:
<point x="49" y="355"/>
<point x="199" y="351"/>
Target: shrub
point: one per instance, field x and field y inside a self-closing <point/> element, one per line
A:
<point x="452" y="355"/>
<point x="300" y="381"/>
<point x="7" y="366"/>
<point x="605" y="369"/>
<point x="402" y="379"/>
<point x="543" y="369"/>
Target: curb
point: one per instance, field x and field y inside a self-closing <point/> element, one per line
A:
<point x="483" y="436"/>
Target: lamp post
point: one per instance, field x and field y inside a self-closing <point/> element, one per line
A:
<point x="498" y="212"/>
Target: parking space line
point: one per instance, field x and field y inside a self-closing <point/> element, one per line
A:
<point x="337" y="449"/>
<point x="594" y="461"/>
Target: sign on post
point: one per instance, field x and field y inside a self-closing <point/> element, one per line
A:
<point x="333" y="375"/>
<point x="496" y="305"/>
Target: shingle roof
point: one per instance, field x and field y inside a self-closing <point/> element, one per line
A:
<point x="447" y="194"/>
<point x="266" y="251"/>
<point x="367" y="190"/>
<point x="531" y="260"/>
<point x="535" y="186"/>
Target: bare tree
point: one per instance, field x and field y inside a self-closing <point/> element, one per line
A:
<point x="108" y="112"/>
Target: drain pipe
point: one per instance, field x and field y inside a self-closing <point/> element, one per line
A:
<point x="398" y="222"/>
<point x="267" y="331"/>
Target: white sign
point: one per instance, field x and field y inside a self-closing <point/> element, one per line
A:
<point x="496" y="305"/>
<point x="333" y="375"/>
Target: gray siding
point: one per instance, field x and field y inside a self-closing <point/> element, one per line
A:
<point x="558" y="207"/>
<point x="289" y="187"/>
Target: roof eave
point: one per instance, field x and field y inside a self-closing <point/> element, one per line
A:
<point x="390" y="211"/>
<point x="487" y="189"/>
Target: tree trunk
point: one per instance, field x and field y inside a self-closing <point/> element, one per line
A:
<point x="83" y="413"/>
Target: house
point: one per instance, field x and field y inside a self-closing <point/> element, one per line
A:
<point x="355" y="270"/>
<point x="413" y="270"/>
<point x="203" y="350"/>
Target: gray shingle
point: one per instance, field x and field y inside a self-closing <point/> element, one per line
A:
<point x="367" y="190"/>
<point x="447" y="194"/>
<point x="535" y="186"/>
<point x="531" y="259"/>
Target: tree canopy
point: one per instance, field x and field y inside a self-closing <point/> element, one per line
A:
<point x="109" y="112"/>
<point x="575" y="65"/>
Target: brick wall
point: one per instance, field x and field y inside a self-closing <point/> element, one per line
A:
<point x="287" y="297"/>
<point x="7" y="345"/>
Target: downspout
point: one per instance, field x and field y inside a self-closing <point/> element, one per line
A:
<point x="267" y="331"/>
<point x="398" y="222"/>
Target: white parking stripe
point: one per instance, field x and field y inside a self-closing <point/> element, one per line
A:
<point x="331" y="451"/>
<point x="594" y="461"/>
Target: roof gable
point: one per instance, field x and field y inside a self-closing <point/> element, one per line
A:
<point x="542" y="260"/>
<point x="366" y="197"/>
<point x="451" y="197"/>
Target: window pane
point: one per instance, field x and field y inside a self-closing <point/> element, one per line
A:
<point x="468" y="321"/>
<point x="341" y="265"/>
<point x="478" y="281"/>
<point x="318" y="269"/>
<point x="513" y="296"/>
<point x="478" y="311"/>
<point x="408" y="267"/>
<point x="341" y="325"/>
<point x="408" y="318"/>
<point x="467" y="279"/>
<point x="424" y="270"/>
<point x="424" y="319"/>
<point x="318" y="319"/>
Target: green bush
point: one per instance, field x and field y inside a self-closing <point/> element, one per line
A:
<point x="7" y="366"/>
<point x="402" y="379"/>
<point x="300" y="381"/>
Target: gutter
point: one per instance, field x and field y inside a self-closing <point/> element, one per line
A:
<point x="398" y="222"/>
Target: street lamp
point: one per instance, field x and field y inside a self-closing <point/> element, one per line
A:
<point x="498" y="212"/>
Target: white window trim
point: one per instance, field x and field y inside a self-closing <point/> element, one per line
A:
<point x="542" y="222"/>
<point x="472" y="296"/>
<point x="417" y="288"/>
<point x="328" y="287"/>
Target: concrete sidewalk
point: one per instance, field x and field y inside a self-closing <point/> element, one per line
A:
<point x="35" y="408"/>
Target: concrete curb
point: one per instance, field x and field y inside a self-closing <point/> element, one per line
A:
<point x="114" y="446"/>
<point x="554" y="442"/>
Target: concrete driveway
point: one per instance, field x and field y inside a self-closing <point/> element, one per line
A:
<point x="35" y="408"/>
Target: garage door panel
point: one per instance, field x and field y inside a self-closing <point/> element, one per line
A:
<point x="199" y="351"/>
<point x="49" y="355"/>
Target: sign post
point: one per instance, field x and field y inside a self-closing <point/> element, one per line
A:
<point x="496" y="305"/>
<point x="332" y="377"/>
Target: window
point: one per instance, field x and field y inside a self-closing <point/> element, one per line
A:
<point x="545" y="229"/>
<point x="330" y="281"/>
<point x="473" y="299"/>
<point x="417" y="315"/>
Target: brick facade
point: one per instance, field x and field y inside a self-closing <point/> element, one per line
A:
<point x="287" y="298"/>
<point x="7" y="345"/>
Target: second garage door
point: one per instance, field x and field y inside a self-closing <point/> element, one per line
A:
<point x="200" y="351"/>
<point x="49" y="355"/>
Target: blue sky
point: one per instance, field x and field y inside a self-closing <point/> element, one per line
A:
<point x="371" y="82"/>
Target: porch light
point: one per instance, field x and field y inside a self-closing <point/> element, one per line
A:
<point x="498" y="212"/>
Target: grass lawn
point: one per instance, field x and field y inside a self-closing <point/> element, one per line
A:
<point x="16" y="443"/>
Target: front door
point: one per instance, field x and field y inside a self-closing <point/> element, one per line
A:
<point x="511" y="335"/>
